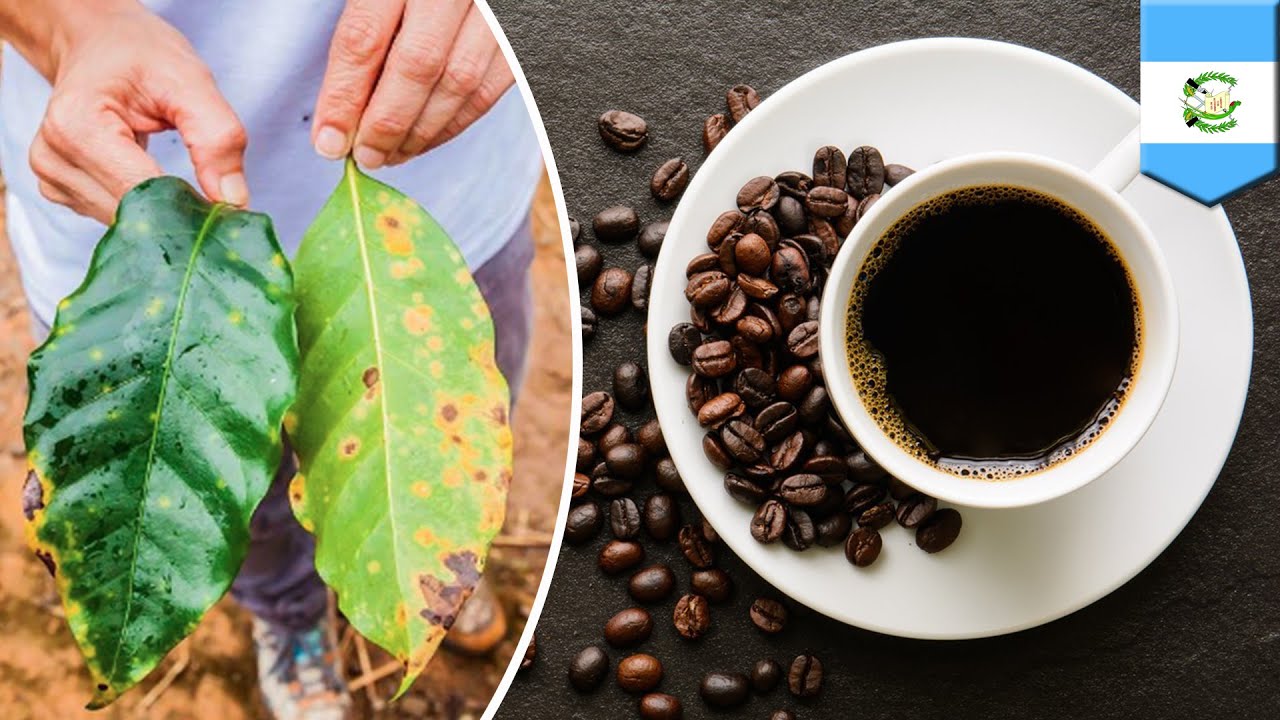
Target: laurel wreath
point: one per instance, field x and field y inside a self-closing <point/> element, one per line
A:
<point x="1205" y="127"/>
<point x="1205" y="77"/>
<point x="1202" y="124"/>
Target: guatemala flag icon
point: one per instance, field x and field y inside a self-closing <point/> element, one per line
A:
<point x="1209" y="95"/>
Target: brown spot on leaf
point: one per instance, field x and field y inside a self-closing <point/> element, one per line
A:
<point x="480" y="475"/>
<point x="32" y="496"/>
<point x="391" y="222"/>
<point x="370" y="377"/>
<point x="500" y="415"/>
<point x="444" y="600"/>
<point x="449" y="412"/>
<point x="349" y="447"/>
<point x="47" y="559"/>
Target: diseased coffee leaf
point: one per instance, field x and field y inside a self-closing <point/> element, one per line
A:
<point x="401" y="424"/>
<point x="152" y="427"/>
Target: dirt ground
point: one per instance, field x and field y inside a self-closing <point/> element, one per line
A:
<point x="212" y="675"/>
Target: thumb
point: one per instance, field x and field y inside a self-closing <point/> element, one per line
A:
<point x="214" y="137"/>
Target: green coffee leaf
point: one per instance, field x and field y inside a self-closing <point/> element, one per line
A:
<point x="152" y="426"/>
<point x="401" y="423"/>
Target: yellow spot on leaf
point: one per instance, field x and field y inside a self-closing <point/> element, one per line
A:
<point x="309" y="526"/>
<point x="467" y="323"/>
<point x="401" y="269"/>
<point x="417" y="319"/>
<point x="277" y="260"/>
<point x="232" y="255"/>
<point x="394" y="224"/>
<point x="297" y="489"/>
<point x="436" y="369"/>
<point x="435" y="343"/>
<point x="65" y="304"/>
<point x="235" y="317"/>
<point x="374" y="567"/>
<point x="95" y="354"/>
<point x="164" y="502"/>
<point x="424" y="537"/>
<point x="155" y="306"/>
<point x="348" y="447"/>
<point x="421" y="489"/>
<point x="290" y="422"/>
<point x="64" y="330"/>
<point x="452" y="477"/>
<point x="402" y="614"/>
<point x="462" y="276"/>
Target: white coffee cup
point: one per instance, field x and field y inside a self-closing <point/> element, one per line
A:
<point x="1096" y="195"/>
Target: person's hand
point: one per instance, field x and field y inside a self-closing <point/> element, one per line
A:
<point x="120" y="73"/>
<point x="405" y="76"/>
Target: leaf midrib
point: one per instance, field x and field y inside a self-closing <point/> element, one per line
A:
<point x="357" y="210"/>
<point x="166" y="372"/>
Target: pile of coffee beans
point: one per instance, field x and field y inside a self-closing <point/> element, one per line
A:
<point x="756" y="383"/>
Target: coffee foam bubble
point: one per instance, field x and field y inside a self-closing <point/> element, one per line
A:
<point x="867" y="366"/>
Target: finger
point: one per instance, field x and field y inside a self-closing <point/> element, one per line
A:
<point x="359" y="46"/>
<point x="100" y="145"/>
<point x="415" y="63"/>
<point x="497" y="82"/>
<point x="213" y="134"/>
<point x="465" y="74"/>
<point x="63" y="183"/>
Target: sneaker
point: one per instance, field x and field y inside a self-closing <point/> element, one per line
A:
<point x="300" y="673"/>
<point x="481" y="624"/>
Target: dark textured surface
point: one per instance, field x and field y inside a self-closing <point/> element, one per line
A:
<point x="1197" y="634"/>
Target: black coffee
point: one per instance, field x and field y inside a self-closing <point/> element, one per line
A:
<point x="993" y="331"/>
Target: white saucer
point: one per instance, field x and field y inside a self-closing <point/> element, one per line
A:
<point x="922" y="101"/>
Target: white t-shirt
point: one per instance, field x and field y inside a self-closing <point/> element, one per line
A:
<point x="268" y="59"/>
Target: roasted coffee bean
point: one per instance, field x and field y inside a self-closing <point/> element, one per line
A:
<point x="611" y="292"/>
<point x="862" y="469"/>
<point x="619" y="555"/>
<point x="726" y="224"/>
<point x="649" y="242"/>
<point x="708" y="289"/>
<point x="791" y="307"/>
<point x="863" y="546"/>
<point x="751" y="254"/>
<point x="754" y="386"/>
<point x="741" y="99"/>
<point x="728" y="312"/>
<point x="583" y="523"/>
<point x="768" y="615"/>
<point x="586" y="455"/>
<point x="864" y="205"/>
<point x="760" y="193"/>
<point x="782" y="715"/>
<point x="787" y="454"/>
<point x="698" y="390"/>
<point x="715" y="451"/>
<point x="530" y="654"/>
<point x="669" y="180"/>
<point x="705" y="262"/>
<point x="667" y="477"/>
<point x="695" y="548"/>
<point x="757" y="288"/>
<point x="833" y="529"/>
<point x="661" y="517"/>
<point x="794" y="383"/>
<point x="827" y="202"/>
<point x="866" y="172"/>
<point x="777" y="421"/>
<point x="714" y="128"/>
<point x="862" y="496"/>
<point x="724" y="690"/>
<point x="836" y="432"/>
<point x="895" y="173"/>
<point x="652" y="584"/>
<point x="726" y="255"/>
<point x="899" y="490"/>
<point x="805" y="677"/>
<point x="762" y="223"/>
<point x="939" y="531"/>
<point x="755" y="329"/>
<point x="804" y="490"/>
<point x="649" y="435"/>
<point x="575" y="230"/>
<point x="765" y="675"/>
<point x="630" y="386"/>
<point x="813" y="311"/>
<point x="829" y="167"/>
<point x="791" y="216"/>
<point x="597" y="412"/>
<point x="742" y="441"/>
<point x="589" y="263"/>
<point x="848" y="219"/>
<point x="813" y="408"/>
<point x="623" y="131"/>
<point x="692" y="616"/>
<point x="714" y="359"/>
<point x="744" y="490"/>
<point x="915" y="510"/>
<point x="640" y="284"/>
<point x="793" y="183"/>
<point x="660" y="706"/>
<point x="765" y="313"/>
<point x="720" y="408"/>
<point x="790" y="270"/>
<point x="876" y="516"/>
<point x="639" y="673"/>
<point x="625" y="461"/>
<point x="683" y="339"/>
<point x="624" y="518"/>
<point x="588" y="323"/>
<point x="830" y="468"/>
<point x="617" y="224"/>
<point x="628" y="628"/>
<point x="714" y="584"/>
<point x="609" y="485"/>
<point x="799" y="534"/>
<point x="770" y="522"/>
<point x="614" y="435"/>
<point x="588" y="669"/>
<point x="802" y="341"/>
<point x="581" y="485"/>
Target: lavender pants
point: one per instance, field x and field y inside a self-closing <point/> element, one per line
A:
<point x="278" y="581"/>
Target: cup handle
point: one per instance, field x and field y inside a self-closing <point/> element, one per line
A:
<point x="1121" y="165"/>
